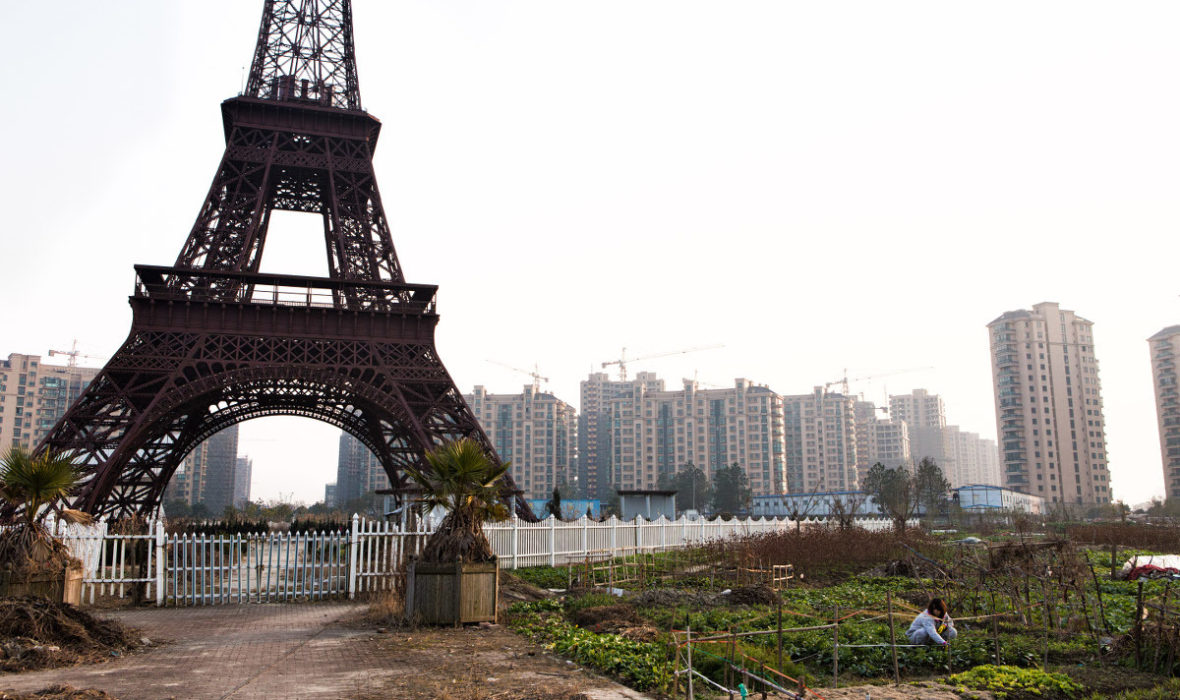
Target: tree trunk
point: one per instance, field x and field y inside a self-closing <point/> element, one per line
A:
<point x="899" y="524"/>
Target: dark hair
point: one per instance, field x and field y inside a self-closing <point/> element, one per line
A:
<point x="936" y="604"/>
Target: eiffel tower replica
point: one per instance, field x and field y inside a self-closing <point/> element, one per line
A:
<point x="215" y="342"/>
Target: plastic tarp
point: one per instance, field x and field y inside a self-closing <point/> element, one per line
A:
<point x="1151" y="566"/>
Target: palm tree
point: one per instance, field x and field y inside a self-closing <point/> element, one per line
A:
<point x="34" y="487"/>
<point x="464" y="480"/>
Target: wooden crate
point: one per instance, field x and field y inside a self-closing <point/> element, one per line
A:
<point x="64" y="587"/>
<point x="452" y="593"/>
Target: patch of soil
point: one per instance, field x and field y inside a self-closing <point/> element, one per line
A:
<point x="58" y="692"/>
<point x="752" y="595"/>
<point x="620" y="619"/>
<point x="1109" y="679"/>
<point x="469" y="693"/>
<point x="38" y="633"/>
<point x="615" y="614"/>
<point x="923" y="690"/>
<point x="906" y="568"/>
<point x="671" y="597"/>
<point x="517" y="590"/>
<point x="474" y="663"/>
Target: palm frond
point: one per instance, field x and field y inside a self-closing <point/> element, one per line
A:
<point x="75" y="517"/>
<point x="461" y="477"/>
<point x="32" y="482"/>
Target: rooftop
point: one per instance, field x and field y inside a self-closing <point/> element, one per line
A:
<point x="1166" y="333"/>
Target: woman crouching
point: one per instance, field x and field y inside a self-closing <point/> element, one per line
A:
<point x="933" y="625"/>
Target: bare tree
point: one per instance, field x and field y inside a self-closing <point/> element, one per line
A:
<point x="846" y="510"/>
<point x="799" y="506"/>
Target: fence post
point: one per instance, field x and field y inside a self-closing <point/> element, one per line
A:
<point x="585" y="536"/>
<point x="614" y="534"/>
<point x="893" y="639"/>
<point x="515" y="542"/>
<point x="354" y="539"/>
<point x="552" y="540"/>
<point x="161" y="557"/>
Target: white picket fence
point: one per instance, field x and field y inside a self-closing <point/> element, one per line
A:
<point x="209" y="569"/>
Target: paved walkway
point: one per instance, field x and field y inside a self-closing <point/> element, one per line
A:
<point x="269" y="651"/>
<point x="246" y="651"/>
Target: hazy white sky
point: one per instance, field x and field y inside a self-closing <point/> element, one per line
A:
<point x="816" y="185"/>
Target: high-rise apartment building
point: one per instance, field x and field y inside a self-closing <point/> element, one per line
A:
<point x="965" y="458"/>
<point x="972" y="460"/>
<point x="208" y="474"/>
<point x="1049" y="405"/>
<point x="1165" y="349"/>
<point x="358" y="471"/>
<point x="535" y="431"/>
<point x="821" y="442"/>
<point x="33" y="396"/>
<point x="879" y="439"/>
<point x="892" y="444"/>
<point x="243" y="473"/>
<point x="222" y="462"/>
<point x="594" y="471"/>
<point x="652" y="432"/>
<point x="925" y="416"/>
<point x="919" y="409"/>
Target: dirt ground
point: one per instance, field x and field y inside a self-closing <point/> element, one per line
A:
<point x="58" y="692"/>
<point x="925" y="691"/>
<point x="314" y="651"/>
<point x="474" y="663"/>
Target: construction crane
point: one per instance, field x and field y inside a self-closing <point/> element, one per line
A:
<point x="845" y="381"/>
<point x="709" y="385"/>
<point x="73" y="354"/>
<point x="535" y="374"/>
<point x="623" y="359"/>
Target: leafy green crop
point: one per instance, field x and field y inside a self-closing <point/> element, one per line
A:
<point x="1170" y="690"/>
<point x="544" y="576"/>
<point x="641" y="665"/>
<point x="1003" y="680"/>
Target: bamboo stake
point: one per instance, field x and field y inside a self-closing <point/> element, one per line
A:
<point x="780" y="632"/>
<point x="1159" y="627"/>
<point x="996" y="630"/>
<point x="688" y="639"/>
<point x="1139" y="627"/>
<point x="758" y="633"/>
<point x="836" y="647"/>
<point x="1172" y="649"/>
<point x="1101" y="605"/>
<point x="675" y="668"/>
<point x="892" y="638"/>
<point x="1045" y="599"/>
<point x="729" y="677"/>
<point x="1085" y="607"/>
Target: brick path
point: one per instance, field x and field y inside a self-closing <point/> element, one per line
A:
<point x="251" y="652"/>
<point x="247" y="651"/>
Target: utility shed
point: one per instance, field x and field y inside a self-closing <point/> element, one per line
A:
<point x="649" y="504"/>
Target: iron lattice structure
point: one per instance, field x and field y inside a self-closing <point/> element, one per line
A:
<point x="214" y="342"/>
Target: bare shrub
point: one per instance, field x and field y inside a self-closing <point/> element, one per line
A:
<point x="29" y="627"/>
<point x="823" y="552"/>
<point x="1160" y="538"/>
<point x="387" y="607"/>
